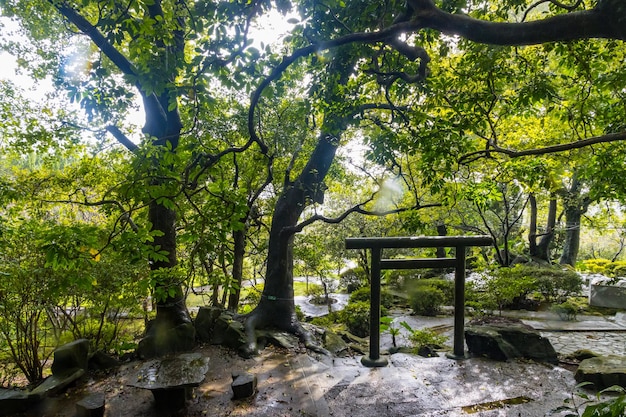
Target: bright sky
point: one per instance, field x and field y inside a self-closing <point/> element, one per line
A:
<point x="269" y="30"/>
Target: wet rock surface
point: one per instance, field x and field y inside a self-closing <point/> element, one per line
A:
<point x="603" y="371"/>
<point x="170" y="379"/>
<point x="91" y="406"/>
<point x="503" y="342"/>
<point x="292" y="383"/>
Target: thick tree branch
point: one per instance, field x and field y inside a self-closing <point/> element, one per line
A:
<point x="151" y="102"/>
<point x="367" y="37"/>
<point x="611" y="137"/>
<point x="122" y="138"/>
<point x="607" y="20"/>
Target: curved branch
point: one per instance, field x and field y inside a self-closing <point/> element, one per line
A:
<point x="151" y="102"/>
<point x="355" y="209"/>
<point x="367" y="37"/>
<point x="567" y="7"/>
<point x="609" y="138"/>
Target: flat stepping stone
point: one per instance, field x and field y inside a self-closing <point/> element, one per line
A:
<point x="244" y="385"/>
<point x="91" y="406"/>
<point x="171" y="379"/>
<point x="603" y="371"/>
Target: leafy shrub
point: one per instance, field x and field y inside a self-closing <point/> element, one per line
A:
<point x="566" y="310"/>
<point x="356" y="316"/>
<point x="506" y="285"/>
<point x="556" y="284"/>
<point x="425" y="337"/>
<point x="363" y="294"/>
<point x="426" y="300"/>
<point x="596" y="266"/>
<point x="8" y="374"/>
<point x="300" y="313"/>
<point x="444" y="285"/>
<point x="353" y="279"/>
<point x="618" y="269"/>
<point x="595" y="406"/>
<point x="328" y="320"/>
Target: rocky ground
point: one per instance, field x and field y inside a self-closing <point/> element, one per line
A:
<point x="294" y="383"/>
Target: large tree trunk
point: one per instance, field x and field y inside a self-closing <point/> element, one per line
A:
<point x="576" y="204"/>
<point x="239" y="252"/>
<point x="276" y="307"/>
<point x="541" y="250"/>
<point x="172" y="330"/>
<point x="572" y="236"/>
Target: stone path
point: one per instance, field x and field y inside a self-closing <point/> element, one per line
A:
<point x="603" y="343"/>
<point x="602" y="335"/>
<point x="605" y="336"/>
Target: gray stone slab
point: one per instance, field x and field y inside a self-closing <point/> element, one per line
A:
<point x="55" y="384"/>
<point x="575" y="325"/>
<point x="607" y="296"/>
<point x="12" y="401"/>
<point x="171" y="379"/>
<point x="183" y="370"/>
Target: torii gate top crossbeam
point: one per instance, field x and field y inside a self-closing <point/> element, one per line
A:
<point x="417" y="242"/>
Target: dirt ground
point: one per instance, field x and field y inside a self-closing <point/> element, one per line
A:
<point x="296" y="383"/>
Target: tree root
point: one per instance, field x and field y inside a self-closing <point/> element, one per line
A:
<point x="259" y="319"/>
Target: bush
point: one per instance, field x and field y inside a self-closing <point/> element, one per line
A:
<point x="596" y="266"/>
<point x="426" y="300"/>
<point x="566" y="310"/>
<point x="363" y="295"/>
<point x="507" y="285"/>
<point x="353" y="279"/>
<point x="556" y="284"/>
<point x="356" y="316"/>
<point x="422" y="338"/>
<point x="513" y="287"/>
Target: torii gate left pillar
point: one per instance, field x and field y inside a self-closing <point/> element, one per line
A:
<point x="377" y="244"/>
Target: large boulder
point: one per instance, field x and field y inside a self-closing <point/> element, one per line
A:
<point x="508" y="341"/>
<point x="603" y="371"/>
<point x="164" y="339"/>
<point x="69" y="364"/>
<point x="205" y="322"/>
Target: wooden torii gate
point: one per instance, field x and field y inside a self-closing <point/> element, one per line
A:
<point x="377" y="244"/>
